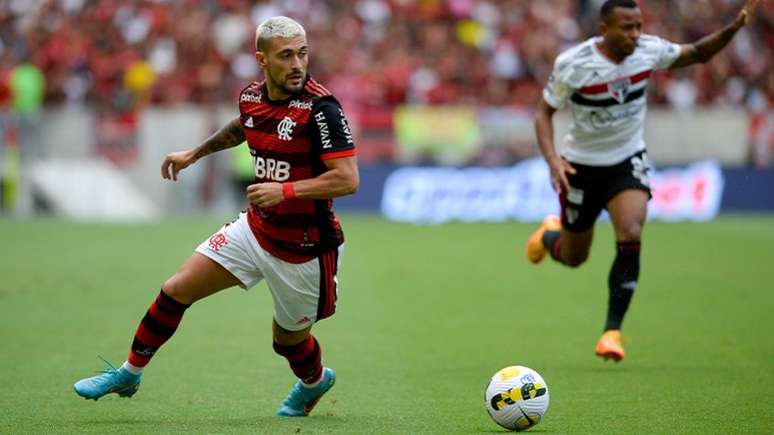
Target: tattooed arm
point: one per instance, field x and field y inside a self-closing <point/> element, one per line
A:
<point x="227" y="137"/>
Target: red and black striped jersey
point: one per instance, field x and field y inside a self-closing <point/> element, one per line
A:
<point x="289" y="140"/>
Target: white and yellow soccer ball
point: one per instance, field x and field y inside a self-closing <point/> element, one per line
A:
<point x="517" y="398"/>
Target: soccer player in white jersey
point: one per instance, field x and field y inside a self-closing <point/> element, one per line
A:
<point x="602" y="162"/>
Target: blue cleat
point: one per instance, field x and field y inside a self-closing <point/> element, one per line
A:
<point x="112" y="380"/>
<point x="302" y="400"/>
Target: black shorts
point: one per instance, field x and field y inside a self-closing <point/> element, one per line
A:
<point x="592" y="187"/>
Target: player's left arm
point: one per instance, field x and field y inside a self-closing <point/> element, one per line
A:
<point x="341" y="178"/>
<point x="705" y="49"/>
<point x="332" y="137"/>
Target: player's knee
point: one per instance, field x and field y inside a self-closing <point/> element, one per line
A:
<point x="630" y="231"/>
<point x="174" y="290"/>
<point x="284" y="337"/>
<point x="576" y="259"/>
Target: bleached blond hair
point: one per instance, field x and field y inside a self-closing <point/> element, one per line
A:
<point x="277" y="27"/>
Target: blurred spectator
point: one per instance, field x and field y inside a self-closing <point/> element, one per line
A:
<point x="27" y="87"/>
<point x="374" y="54"/>
<point x="5" y="137"/>
<point x="479" y="51"/>
<point x="762" y="138"/>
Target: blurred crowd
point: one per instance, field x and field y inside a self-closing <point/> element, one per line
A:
<point x="120" y="55"/>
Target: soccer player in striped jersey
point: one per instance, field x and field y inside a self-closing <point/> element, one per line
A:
<point x="602" y="162"/>
<point x="289" y="236"/>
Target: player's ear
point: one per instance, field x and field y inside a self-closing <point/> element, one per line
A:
<point x="260" y="57"/>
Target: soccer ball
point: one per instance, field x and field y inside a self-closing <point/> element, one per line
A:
<point x="517" y="398"/>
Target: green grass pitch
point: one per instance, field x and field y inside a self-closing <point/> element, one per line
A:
<point x="426" y="315"/>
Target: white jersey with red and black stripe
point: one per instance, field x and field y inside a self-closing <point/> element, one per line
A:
<point x="290" y="140"/>
<point x="607" y="99"/>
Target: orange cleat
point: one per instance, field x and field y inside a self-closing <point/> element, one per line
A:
<point x="536" y="251"/>
<point x="609" y="346"/>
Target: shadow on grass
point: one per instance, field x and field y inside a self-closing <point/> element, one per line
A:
<point x="323" y="423"/>
<point x="623" y="369"/>
<point x="501" y="430"/>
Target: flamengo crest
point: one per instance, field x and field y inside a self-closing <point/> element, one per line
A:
<point x="217" y="241"/>
<point x="285" y="128"/>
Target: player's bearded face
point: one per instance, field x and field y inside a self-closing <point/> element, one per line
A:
<point x="285" y="63"/>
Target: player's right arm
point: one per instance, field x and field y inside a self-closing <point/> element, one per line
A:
<point x="544" y="129"/>
<point x="229" y="136"/>
<point x="555" y="95"/>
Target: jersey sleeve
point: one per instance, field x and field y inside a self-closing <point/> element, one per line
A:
<point x="331" y="135"/>
<point x="558" y="90"/>
<point x="667" y="52"/>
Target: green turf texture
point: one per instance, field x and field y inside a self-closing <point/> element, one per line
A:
<point x="426" y="315"/>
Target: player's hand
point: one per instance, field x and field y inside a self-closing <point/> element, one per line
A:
<point x="175" y="162"/>
<point x="559" y="170"/>
<point x="746" y="13"/>
<point x="265" y="195"/>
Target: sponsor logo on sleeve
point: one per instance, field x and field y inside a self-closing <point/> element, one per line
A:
<point x="322" y="125"/>
<point x="345" y="127"/>
<point x="560" y="90"/>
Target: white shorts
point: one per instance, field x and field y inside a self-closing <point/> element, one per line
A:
<point x="303" y="293"/>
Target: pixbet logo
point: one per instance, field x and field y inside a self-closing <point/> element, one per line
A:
<point x="306" y="105"/>
<point x="250" y="98"/>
